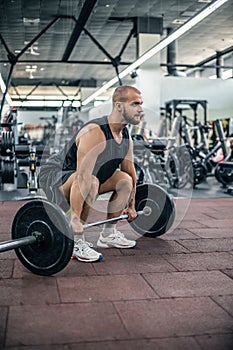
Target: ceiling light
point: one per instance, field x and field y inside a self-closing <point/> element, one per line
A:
<point x="179" y="21"/>
<point x="76" y="104"/>
<point x="38" y="103"/>
<point x="31" y="21"/>
<point x="43" y="98"/>
<point x="158" y="47"/>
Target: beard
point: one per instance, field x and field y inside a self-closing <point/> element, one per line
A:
<point x="129" y="119"/>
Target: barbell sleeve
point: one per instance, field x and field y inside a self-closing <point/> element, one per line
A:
<point x="17" y="243"/>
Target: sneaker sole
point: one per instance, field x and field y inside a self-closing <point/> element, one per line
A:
<point x="105" y="245"/>
<point x="74" y="257"/>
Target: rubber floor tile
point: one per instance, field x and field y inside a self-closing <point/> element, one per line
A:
<point x="223" y="223"/>
<point x="226" y="301"/>
<point x="227" y="232"/>
<point x="208" y="245"/>
<point x="104" y="288"/>
<point x="181" y="343"/>
<point x="229" y="272"/>
<point x="187" y="284"/>
<point x="200" y="261"/>
<point x="3" y="324"/>
<point x="133" y="264"/>
<point x="173" y="317"/>
<point x="179" y="234"/>
<point x="28" y="291"/>
<point x="10" y="254"/>
<point x="216" y="342"/>
<point x="191" y="223"/>
<point x="6" y="268"/>
<point x="63" y="324"/>
<point x="155" y="246"/>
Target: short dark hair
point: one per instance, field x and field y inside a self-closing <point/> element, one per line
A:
<point x="121" y="93"/>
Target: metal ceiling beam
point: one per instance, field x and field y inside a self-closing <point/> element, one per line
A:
<point x="58" y="82"/>
<point x="14" y="58"/>
<point x="68" y="62"/>
<point x="196" y="65"/>
<point x="82" y="20"/>
<point x="213" y="57"/>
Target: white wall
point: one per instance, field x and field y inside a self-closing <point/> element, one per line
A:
<point x="101" y="110"/>
<point x="33" y="117"/>
<point x="217" y="92"/>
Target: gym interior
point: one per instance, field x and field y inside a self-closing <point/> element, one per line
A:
<point x="60" y="62"/>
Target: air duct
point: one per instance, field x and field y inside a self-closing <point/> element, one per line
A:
<point x="171" y="58"/>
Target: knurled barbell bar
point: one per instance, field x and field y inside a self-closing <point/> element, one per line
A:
<point x="42" y="235"/>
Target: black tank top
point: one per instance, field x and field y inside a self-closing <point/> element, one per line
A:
<point x="111" y="157"/>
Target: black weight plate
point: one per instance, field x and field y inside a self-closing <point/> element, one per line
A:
<point x="8" y="175"/>
<point x="7" y="143"/>
<point x="224" y="175"/>
<point x="53" y="253"/>
<point x="161" y="210"/>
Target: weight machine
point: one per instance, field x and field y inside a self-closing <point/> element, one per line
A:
<point x="175" y="108"/>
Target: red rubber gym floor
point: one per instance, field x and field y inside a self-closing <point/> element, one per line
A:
<point x="174" y="292"/>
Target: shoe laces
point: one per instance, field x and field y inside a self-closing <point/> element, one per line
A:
<point x="118" y="234"/>
<point x="85" y="246"/>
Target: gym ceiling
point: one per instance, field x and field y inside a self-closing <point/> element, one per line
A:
<point x="71" y="47"/>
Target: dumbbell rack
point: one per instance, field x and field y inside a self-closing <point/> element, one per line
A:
<point x="13" y="156"/>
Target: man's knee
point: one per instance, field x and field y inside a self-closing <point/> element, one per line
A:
<point x="125" y="183"/>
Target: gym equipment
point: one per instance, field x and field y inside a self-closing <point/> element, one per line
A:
<point x="175" y="108"/>
<point x="224" y="173"/>
<point x="224" y="170"/>
<point x="7" y="143"/>
<point x="14" y="155"/>
<point x="43" y="238"/>
<point x="159" y="212"/>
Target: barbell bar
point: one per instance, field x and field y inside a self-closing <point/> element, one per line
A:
<point x="17" y="243"/>
<point x="43" y="238"/>
<point x="145" y="211"/>
<point x="37" y="237"/>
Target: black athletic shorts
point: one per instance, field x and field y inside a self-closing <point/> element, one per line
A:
<point x="50" y="180"/>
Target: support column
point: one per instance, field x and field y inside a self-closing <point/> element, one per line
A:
<point x="219" y="63"/>
<point x="148" y="81"/>
<point x="149" y="30"/>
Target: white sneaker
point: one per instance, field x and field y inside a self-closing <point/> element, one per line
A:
<point x="83" y="252"/>
<point x="115" y="240"/>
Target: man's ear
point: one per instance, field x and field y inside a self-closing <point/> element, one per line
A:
<point x="118" y="106"/>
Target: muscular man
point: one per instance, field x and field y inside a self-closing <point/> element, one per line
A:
<point x="98" y="160"/>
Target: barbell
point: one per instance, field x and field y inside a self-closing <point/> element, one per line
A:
<point x="43" y="239"/>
